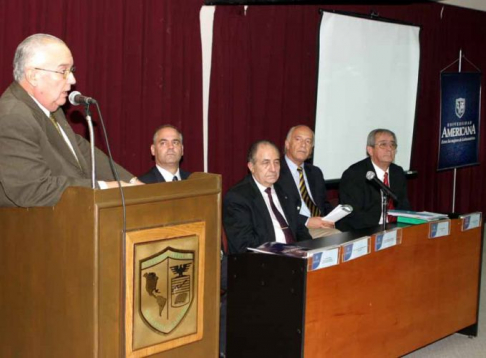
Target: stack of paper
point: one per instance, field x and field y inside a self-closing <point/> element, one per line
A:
<point x="416" y="217"/>
<point x="338" y="213"/>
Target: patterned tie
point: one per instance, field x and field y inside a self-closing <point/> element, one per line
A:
<point x="390" y="205"/>
<point x="55" y="123"/>
<point x="58" y="128"/>
<point x="314" y="210"/>
<point x="289" y="238"/>
<point x="175" y="178"/>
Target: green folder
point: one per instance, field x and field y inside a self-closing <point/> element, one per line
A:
<point x="413" y="221"/>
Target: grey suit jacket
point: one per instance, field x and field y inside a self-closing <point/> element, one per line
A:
<point x="36" y="164"/>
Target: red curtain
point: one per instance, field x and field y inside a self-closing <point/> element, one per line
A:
<point x="142" y="61"/>
<point x="264" y="81"/>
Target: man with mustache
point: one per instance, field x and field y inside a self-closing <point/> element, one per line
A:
<point x="167" y="149"/>
<point x="365" y="196"/>
<point x="40" y="155"/>
<point x="256" y="210"/>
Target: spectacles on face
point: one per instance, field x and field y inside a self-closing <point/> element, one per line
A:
<point x="385" y="145"/>
<point x="65" y="73"/>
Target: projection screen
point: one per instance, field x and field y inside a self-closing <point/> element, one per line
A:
<point x="368" y="77"/>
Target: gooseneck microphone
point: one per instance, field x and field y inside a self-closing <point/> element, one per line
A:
<point x="371" y="176"/>
<point x="76" y="98"/>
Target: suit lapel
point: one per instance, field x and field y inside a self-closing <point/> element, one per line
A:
<point x="59" y="142"/>
<point x="261" y="207"/>
<point x="51" y="132"/>
<point x="159" y="177"/>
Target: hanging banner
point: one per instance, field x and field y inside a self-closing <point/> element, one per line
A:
<point x="459" y="122"/>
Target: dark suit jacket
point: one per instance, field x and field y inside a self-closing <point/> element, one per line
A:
<point x="365" y="196"/>
<point x="36" y="164"/>
<point x="317" y="187"/>
<point x="247" y="221"/>
<point x="154" y="176"/>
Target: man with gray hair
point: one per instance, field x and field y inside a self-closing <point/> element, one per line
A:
<point x="40" y="155"/>
<point x="365" y="196"/>
<point x="305" y="182"/>
<point x="167" y="149"/>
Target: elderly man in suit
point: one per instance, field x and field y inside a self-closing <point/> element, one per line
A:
<point x="365" y="196"/>
<point x="167" y="149"/>
<point x="256" y="210"/>
<point x="304" y="182"/>
<point x="40" y="156"/>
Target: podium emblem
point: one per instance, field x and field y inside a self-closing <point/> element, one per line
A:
<point x="460" y="107"/>
<point x="167" y="288"/>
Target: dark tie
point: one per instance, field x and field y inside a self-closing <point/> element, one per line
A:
<point x="175" y="178"/>
<point x="289" y="238"/>
<point x="390" y="205"/>
<point x="314" y="210"/>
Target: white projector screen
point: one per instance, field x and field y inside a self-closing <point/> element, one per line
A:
<point x="368" y="77"/>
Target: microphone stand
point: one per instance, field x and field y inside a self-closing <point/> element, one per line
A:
<point x="384" y="209"/>
<point x="92" y="146"/>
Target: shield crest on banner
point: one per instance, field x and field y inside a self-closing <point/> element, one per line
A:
<point x="167" y="288"/>
<point x="460" y="107"/>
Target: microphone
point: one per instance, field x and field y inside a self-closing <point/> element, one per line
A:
<point x="76" y="98"/>
<point x="371" y="176"/>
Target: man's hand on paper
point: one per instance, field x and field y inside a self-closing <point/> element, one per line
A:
<point x="316" y="222"/>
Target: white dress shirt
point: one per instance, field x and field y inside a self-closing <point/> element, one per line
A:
<point x="279" y="235"/>
<point x="168" y="176"/>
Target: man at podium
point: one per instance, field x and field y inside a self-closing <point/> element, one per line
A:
<point x="40" y="155"/>
<point x="256" y="210"/>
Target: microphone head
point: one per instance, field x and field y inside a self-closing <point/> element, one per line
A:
<point x="370" y="175"/>
<point x="72" y="98"/>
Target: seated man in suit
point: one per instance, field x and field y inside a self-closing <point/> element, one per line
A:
<point x="40" y="155"/>
<point x="305" y="182"/>
<point x="365" y="196"/>
<point x="256" y="210"/>
<point x="167" y="150"/>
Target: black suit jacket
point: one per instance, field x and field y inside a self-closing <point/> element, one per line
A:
<point x="154" y="176"/>
<point x="247" y="221"/>
<point x="365" y="196"/>
<point x="317" y="187"/>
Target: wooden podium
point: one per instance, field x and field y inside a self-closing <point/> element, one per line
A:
<point x="384" y="304"/>
<point x="72" y="285"/>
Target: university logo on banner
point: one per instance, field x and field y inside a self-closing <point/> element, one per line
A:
<point x="459" y="122"/>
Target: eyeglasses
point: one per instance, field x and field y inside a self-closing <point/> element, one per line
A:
<point x="385" y="145"/>
<point x="65" y="73"/>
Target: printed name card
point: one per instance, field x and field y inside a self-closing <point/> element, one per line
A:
<point x="470" y="221"/>
<point x="439" y="229"/>
<point x="386" y="239"/>
<point x="357" y="248"/>
<point x="325" y="258"/>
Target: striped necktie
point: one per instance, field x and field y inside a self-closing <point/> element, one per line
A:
<point x="314" y="210"/>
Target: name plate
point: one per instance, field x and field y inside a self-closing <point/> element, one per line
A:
<point x="386" y="239"/>
<point x="323" y="258"/>
<point x="439" y="229"/>
<point x="357" y="248"/>
<point x="470" y="221"/>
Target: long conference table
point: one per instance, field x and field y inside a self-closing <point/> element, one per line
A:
<point x="390" y="293"/>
